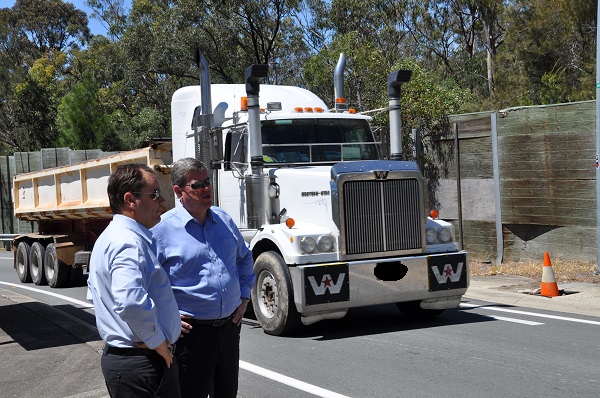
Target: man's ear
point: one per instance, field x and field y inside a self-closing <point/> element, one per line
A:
<point x="129" y="200"/>
<point x="177" y="190"/>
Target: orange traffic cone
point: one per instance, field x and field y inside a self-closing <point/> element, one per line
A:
<point x="549" y="286"/>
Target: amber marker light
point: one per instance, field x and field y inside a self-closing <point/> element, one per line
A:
<point x="244" y="103"/>
<point x="340" y="100"/>
<point x="298" y="109"/>
<point x="351" y="110"/>
<point x="318" y="109"/>
<point x="308" y="109"/>
<point x="434" y="214"/>
<point x="290" y="222"/>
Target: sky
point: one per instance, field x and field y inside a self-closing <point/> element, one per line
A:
<point x="95" y="26"/>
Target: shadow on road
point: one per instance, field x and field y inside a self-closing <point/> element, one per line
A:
<point x="35" y="326"/>
<point x="372" y="320"/>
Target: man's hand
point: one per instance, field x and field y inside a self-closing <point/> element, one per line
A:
<point x="238" y="314"/>
<point x="164" y="349"/>
<point x="185" y="327"/>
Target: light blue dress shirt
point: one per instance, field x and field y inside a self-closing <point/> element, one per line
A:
<point x="131" y="293"/>
<point x="210" y="266"/>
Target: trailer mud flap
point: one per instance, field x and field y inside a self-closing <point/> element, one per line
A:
<point x="447" y="272"/>
<point x="326" y="284"/>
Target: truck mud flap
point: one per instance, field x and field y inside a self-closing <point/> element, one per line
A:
<point x="326" y="284"/>
<point x="447" y="272"/>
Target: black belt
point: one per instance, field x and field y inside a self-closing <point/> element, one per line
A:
<point x="132" y="351"/>
<point x="208" y="322"/>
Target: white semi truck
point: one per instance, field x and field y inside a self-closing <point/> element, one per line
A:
<point x="330" y="223"/>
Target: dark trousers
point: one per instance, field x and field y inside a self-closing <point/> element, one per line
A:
<point x="139" y="376"/>
<point x="208" y="359"/>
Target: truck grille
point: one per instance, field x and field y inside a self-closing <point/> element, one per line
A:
<point x="381" y="216"/>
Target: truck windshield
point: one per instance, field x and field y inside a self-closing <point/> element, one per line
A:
<point x="317" y="140"/>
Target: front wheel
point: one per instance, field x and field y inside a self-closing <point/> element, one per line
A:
<point x="273" y="295"/>
<point x="413" y="310"/>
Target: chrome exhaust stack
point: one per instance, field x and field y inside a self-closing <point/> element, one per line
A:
<point x="395" y="81"/>
<point x="257" y="181"/>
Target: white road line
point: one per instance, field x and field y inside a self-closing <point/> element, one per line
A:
<point x="300" y="385"/>
<point x="561" y="318"/>
<point x="83" y="304"/>
<point x="522" y="321"/>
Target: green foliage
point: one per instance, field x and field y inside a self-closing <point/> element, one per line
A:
<point x="467" y="55"/>
<point x="81" y="121"/>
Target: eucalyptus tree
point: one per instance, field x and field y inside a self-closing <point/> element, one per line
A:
<point x="38" y="36"/>
<point x="550" y="52"/>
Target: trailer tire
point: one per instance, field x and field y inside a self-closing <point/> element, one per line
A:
<point x="273" y="295"/>
<point x="413" y="310"/>
<point x="36" y="263"/>
<point x="57" y="272"/>
<point x="22" y="263"/>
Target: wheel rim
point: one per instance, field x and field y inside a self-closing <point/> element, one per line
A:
<point x="21" y="266"/>
<point x="50" y="267"/>
<point x="268" y="297"/>
<point x="36" y="263"/>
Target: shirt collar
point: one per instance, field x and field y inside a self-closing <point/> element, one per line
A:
<point x="133" y="225"/>
<point x="186" y="217"/>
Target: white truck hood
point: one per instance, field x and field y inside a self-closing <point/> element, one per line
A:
<point x="306" y="194"/>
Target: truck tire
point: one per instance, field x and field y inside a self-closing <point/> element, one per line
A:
<point x="23" y="262"/>
<point x="57" y="272"/>
<point x="273" y="295"/>
<point x="413" y="310"/>
<point x="36" y="263"/>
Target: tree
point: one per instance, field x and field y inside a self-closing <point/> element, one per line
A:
<point x="37" y="38"/>
<point x="81" y="121"/>
<point x="549" y="54"/>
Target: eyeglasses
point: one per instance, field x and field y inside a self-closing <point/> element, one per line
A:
<point x="154" y="195"/>
<point x="199" y="184"/>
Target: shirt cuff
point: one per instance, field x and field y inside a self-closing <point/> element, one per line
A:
<point x="155" y="340"/>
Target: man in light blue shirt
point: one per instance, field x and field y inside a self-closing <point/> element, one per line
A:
<point x="136" y="312"/>
<point x="211" y="271"/>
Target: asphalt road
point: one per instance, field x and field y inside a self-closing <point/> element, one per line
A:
<point x="479" y="350"/>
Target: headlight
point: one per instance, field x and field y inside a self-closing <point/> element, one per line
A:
<point x="325" y="243"/>
<point x="445" y="235"/>
<point x="431" y="235"/>
<point x="308" y="244"/>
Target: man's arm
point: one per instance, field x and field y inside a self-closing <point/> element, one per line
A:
<point x="129" y="287"/>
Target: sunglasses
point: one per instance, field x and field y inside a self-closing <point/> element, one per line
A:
<point x="199" y="184"/>
<point x="154" y="195"/>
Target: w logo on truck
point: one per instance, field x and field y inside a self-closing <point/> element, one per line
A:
<point x="326" y="283"/>
<point x="447" y="271"/>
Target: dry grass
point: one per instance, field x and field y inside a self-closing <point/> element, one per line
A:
<point x="564" y="271"/>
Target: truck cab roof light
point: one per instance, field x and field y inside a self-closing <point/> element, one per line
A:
<point x="318" y="109"/>
<point x="244" y="103"/>
<point x="340" y="100"/>
<point x="352" y="110"/>
<point x="298" y="109"/>
<point x="308" y="109"/>
<point x="274" y="106"/>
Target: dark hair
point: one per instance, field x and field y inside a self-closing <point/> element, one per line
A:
<point x="125" y="178"/>
<point x="183" y="167"/>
